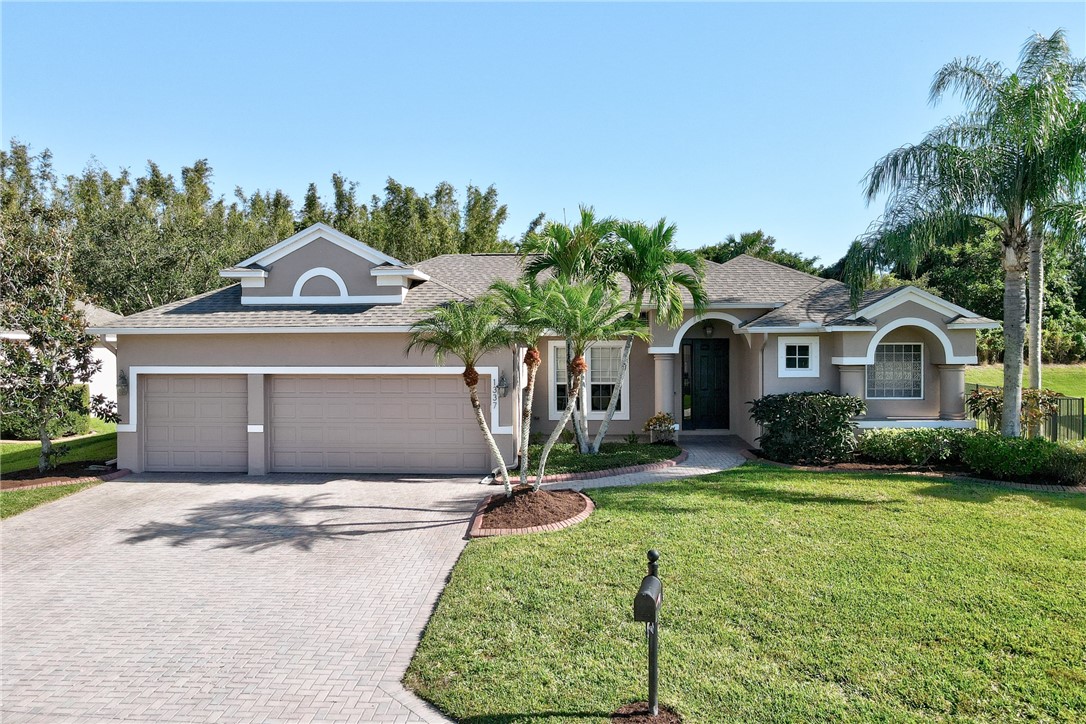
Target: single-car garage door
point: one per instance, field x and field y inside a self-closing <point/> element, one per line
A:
<point x="195" y="423"/>
<point x="375" y="424"/>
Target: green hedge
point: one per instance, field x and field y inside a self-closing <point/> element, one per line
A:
<point x="986" y="454"/>
<point x="17" y="427"/>
<point x="807" y="427"/>
<point x="913" y="446"/>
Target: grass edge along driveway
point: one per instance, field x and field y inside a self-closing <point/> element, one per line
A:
<point x="789" y="596"/>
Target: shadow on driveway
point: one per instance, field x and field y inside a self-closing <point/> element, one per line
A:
<point x="267" y="521"/>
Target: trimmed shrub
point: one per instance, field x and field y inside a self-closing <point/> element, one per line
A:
<point x="1009" y="458"/>
<point x="1068" y="463"/>
<point x="807" y="427"/>
<point x="913" y="446"/>
<point x="73" y="422"/>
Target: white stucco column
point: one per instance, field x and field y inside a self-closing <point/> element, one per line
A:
<point x="257" y="463"/>
<point x="665" y="383"/>
<point x="951" y="392"/>
<point x="853" y="381"/>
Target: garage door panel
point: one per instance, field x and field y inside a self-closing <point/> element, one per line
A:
<point x="410" y="423"/>
<point x="195" y="423"/>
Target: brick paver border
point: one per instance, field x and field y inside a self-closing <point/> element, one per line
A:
<point x="477" y="530"/>
<point x="952" y="477"/>
<point x="70" y="481"/>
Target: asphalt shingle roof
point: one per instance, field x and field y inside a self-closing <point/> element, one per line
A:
<point x="802" y="299"/>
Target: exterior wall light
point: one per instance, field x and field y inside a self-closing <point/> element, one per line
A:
<point x="122" y="383"/>
<point x="502" y="387"/>
<point x="708" y="329"/>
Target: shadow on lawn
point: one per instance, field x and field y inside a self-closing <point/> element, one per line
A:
<point x="978" y="493"/>
<point x="256" y="524"/>
<point x="540" y="715"/>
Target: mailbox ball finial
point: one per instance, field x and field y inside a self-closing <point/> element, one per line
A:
<point x="653" y="555"/>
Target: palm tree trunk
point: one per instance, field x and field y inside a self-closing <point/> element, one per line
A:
<point x="575" y="389"/>
<point x="1036" y="315"/>
<point x="478" y="407"/>
<point x="1014" y="332"/>
<point x="1036" y="307"/>
<point x="580" y="433"/>
<point x="531" y="361"/>
<point x="616" y="393"/>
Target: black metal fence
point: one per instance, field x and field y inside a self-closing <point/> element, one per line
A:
<point x="1067" y="424"/>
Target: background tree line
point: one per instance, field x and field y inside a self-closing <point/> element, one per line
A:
<point x="142" y="241"/>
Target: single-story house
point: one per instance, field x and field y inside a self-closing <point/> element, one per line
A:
<point x="301" y="365"/>
<point x="104" y="381"/>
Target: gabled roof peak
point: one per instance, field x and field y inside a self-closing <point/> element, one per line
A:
<point x="312" y="233"/>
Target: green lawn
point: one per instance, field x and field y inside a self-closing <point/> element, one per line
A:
<point x="13" y="502"/>
<point x="564" y="457"/>
<point x="102" y="445"/>
<point x="1069" y="380"/>
<point x="788" y="596"/>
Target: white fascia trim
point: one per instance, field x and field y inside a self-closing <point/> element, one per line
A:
<point x="726" y="305"/>
<point x="955" y="424"/>
<point x="135" y="371"/>
<point x="243" y="273"/>
<point x="948" y="349"/>
<point x="803" y="330"/>
<point x="912" y="294"/>
<point x="320" y="271"/>
<point x="688" y="324"/>
<point x="782" y="345"/>
<point x="319" y="230"/>
<point x="254" y="428"/>
<point x="554" y="414"/>
<point x="974" y="325"/>
<point x="305" y="301"/>
<point x="251" y="330"/>
<point x="411" y="273"/>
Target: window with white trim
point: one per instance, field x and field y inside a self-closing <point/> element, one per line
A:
<point x="604" y="360"/>
<point x="797" y="357"/>
<point x="898" y="372"/>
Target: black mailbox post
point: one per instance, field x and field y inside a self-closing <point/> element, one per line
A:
<point x="647" y="609"/>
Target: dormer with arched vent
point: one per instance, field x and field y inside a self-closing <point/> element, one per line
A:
<point x="321" y="266"/>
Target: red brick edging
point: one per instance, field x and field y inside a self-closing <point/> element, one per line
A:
<point x="611" y="472"/>
<point x="477" y="530"/>
<point x="953" y="477"/>
<point x="72" y="481"/>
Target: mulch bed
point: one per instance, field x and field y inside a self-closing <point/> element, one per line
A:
<point x="62" y="474"/>
<point x="638" y="712"/>
<point x="527" y="509"/>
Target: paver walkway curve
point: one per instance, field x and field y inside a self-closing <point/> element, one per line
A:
<point x="234" y="598"/>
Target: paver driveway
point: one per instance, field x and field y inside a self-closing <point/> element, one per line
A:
<point x="226" y="598"/>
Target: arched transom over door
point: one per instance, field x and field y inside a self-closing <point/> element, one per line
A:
<point x="374" y="424"/>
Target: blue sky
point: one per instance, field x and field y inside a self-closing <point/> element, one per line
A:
<point x="722" y="117"/>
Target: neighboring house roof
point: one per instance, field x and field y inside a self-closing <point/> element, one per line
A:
<point x="97" y="316"/>
<point x="793" y="298"/>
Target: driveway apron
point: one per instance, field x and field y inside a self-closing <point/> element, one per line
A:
<point x="226" y="598"/>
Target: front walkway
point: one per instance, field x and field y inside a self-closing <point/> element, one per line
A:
<point x="705" y="455"/>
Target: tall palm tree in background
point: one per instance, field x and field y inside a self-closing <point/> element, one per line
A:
<point x="466" y="330"/>
<point x="584" y="313"/>
<point x="658" y="272"/>
<point x="523" y="306"/>
<point x="1014" y="162"/>
<point x="571" y="254"/>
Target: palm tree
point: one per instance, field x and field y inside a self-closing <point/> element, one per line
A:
<point x="523" y="306"/>
<point x="466" y="330"/>
<point x="572" y="254"/>
<point x="584" y="313"/>
<point x="655" y="269"/>
<point x="1014" y="162"/>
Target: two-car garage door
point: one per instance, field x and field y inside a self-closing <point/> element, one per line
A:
<point x="348" y="424"/>
<point x="374" y="424"/>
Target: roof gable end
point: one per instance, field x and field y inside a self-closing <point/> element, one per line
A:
<point x="911" y="294"/>
<point x="320" y="231"/>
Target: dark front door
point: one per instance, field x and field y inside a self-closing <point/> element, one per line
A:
<point x="707" y="366"/>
